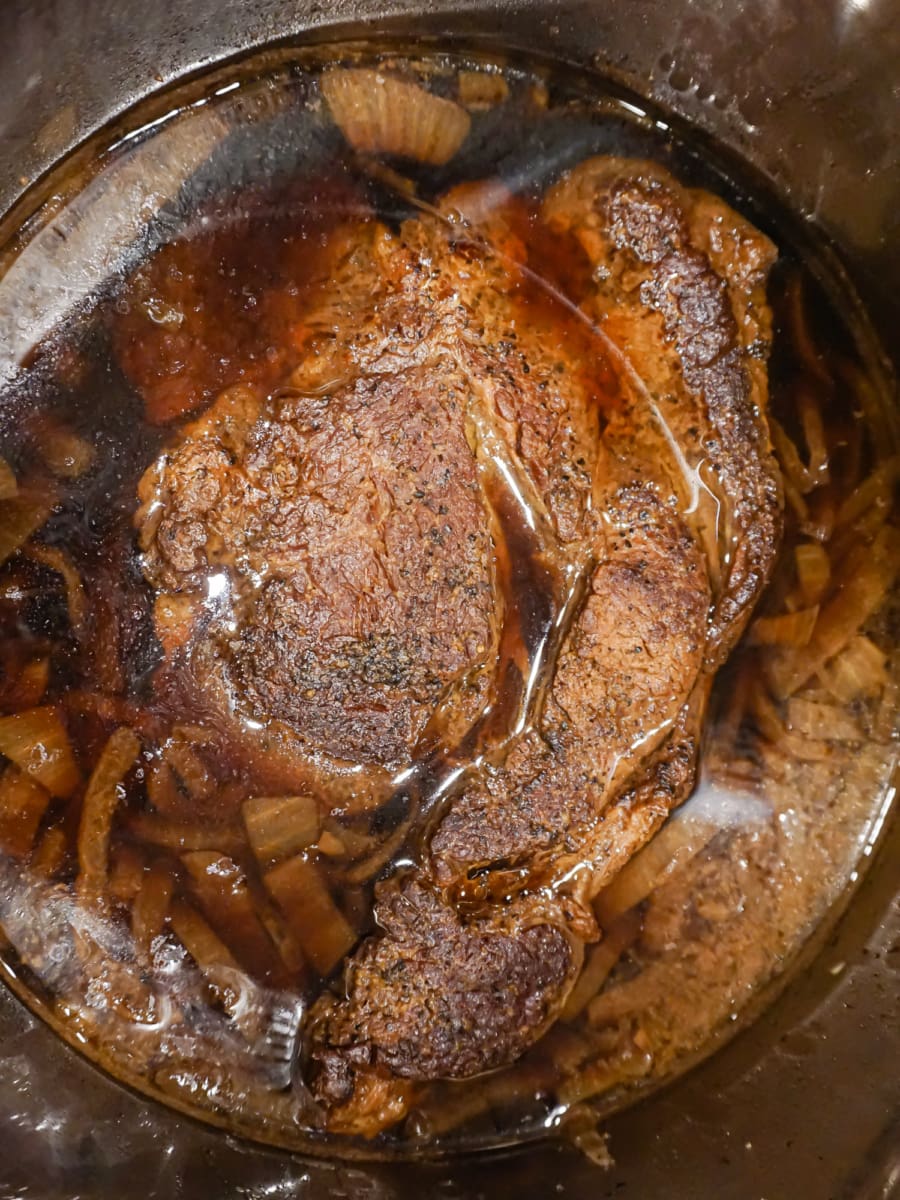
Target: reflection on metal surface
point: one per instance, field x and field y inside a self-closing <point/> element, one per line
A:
<point x="100" y="232"/>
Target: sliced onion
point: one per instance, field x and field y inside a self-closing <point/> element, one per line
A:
<point x="859" y="670"/>
<point x="788" y="629"/>
<point x="866" y="578"/>
<point x="220" y="886"/>
<point x="150" y="908"/>
<point x="877" y="488"/>
<point x="9" y="486"/>
<point x="801" y="335"/>
<point x="183" y="835"/>
<point x="103" y="796"/>
<point x="600" y="961"/>
<point x="814" y="435"/>
<point x="279" y="826"/>
<point x="22" y="515"/>
<point x="813" y="571"/>
<point x="126" y="873"/>
<point x="318" y="924"/>
<point x="22" y="806"/>
<point x="380" y="114"/>
<point x="823" y="721"/>
<point x="50" y="853"/>
<point x="209" y="952"/>
<point x="789" y="458"/>
<point x="481" y="90"/>
<point x="57" y="560"/>
<point x="37" y="741"/>
<point x="679" y="840"/>
<point x="65" y="453"/>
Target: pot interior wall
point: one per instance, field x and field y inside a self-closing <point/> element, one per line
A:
<point x="807" y="1101"/>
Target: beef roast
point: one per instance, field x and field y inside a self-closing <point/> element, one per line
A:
<point x="477" y="560"/>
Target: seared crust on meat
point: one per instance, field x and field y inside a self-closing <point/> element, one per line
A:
<point x="440" y="994"/>
<point x="369" y="586"/>
<point x="347" y="514"/>
<point x="680" y="292"/>
<point x="621" y="681"/>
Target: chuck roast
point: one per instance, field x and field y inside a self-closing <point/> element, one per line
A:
<point x="481" y="556"/>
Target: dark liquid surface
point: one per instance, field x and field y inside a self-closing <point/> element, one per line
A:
<point x="211" y="297"/>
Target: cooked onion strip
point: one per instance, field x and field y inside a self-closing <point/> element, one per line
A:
<point x="26" y="689"/>
<point x="801" y="335"/>
<point x="766" y="713"/>
<point x="279" y="826"/>
<point x="116" y="710"/>
<point x="223" y="894"/>
<point x="561" y="1053"/>
<point x="163" y="791"/>
<point x="65" y="453"/>
<point x="318" y="924"/>
<point x="282" y="937"/>
<point x="22" y="806"/>
<point x="103" y="796"/>
<point x="57" y="560"/>
<point x="36" y="740"/>
<point x="796" y="502"/>
<point x="786" y="743"/>
<point x="863" y="530"/>
<point x="734" y="706"/>
<point x="788" y="629"/>
<point x="679" y="840"/>
<point x="196" y="778"/>
<point x="151" y="905"/>
<point x="823" y="721"/>
<point x="865" y="583"/>
<point x="50" y="852"/>
<point x="211" y="955"/>
<point x="456" y="1104"/>
<point x="481" y="90"/>
<point x="369" y="867"/>
<point x="8" y="485"/>
<point x="814" y="435"/>
<point x="859" y="670"/>
<point x="603" y="1074"/>
<point x="599" y="962"/>
<point x="813" y="572"/>
<point x="822" y="515"/>
<point x="635" y="995"/>
<point x="126" y="873"/>
<point x="881" y="425"/>
<point x="330" y="845"/>
<point x="21" y="516"/>
<point x="355" y="844"/>
<point x="789" y="458"/>
<point x="876" y="489"/>
<point x="184" y="836"/>
<point x="380" y="114"/>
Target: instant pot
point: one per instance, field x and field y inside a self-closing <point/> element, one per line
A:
<point x="805" y="1103"/>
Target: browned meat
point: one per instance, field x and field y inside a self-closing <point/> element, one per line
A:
<point x="361" y="514"/>
<point x="500" y="540"/>
<point x="680" y="293"/>
<point x="345" y="516"/>
<point x="622" y="678"/>
<point x="426" y="996"/>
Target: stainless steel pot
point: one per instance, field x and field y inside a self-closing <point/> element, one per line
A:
<point x="807" y="1102"/>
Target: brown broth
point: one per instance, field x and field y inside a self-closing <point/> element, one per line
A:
<point x="189" y="978"/>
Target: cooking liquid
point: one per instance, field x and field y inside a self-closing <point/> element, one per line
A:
<point x="782" y="814"/>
